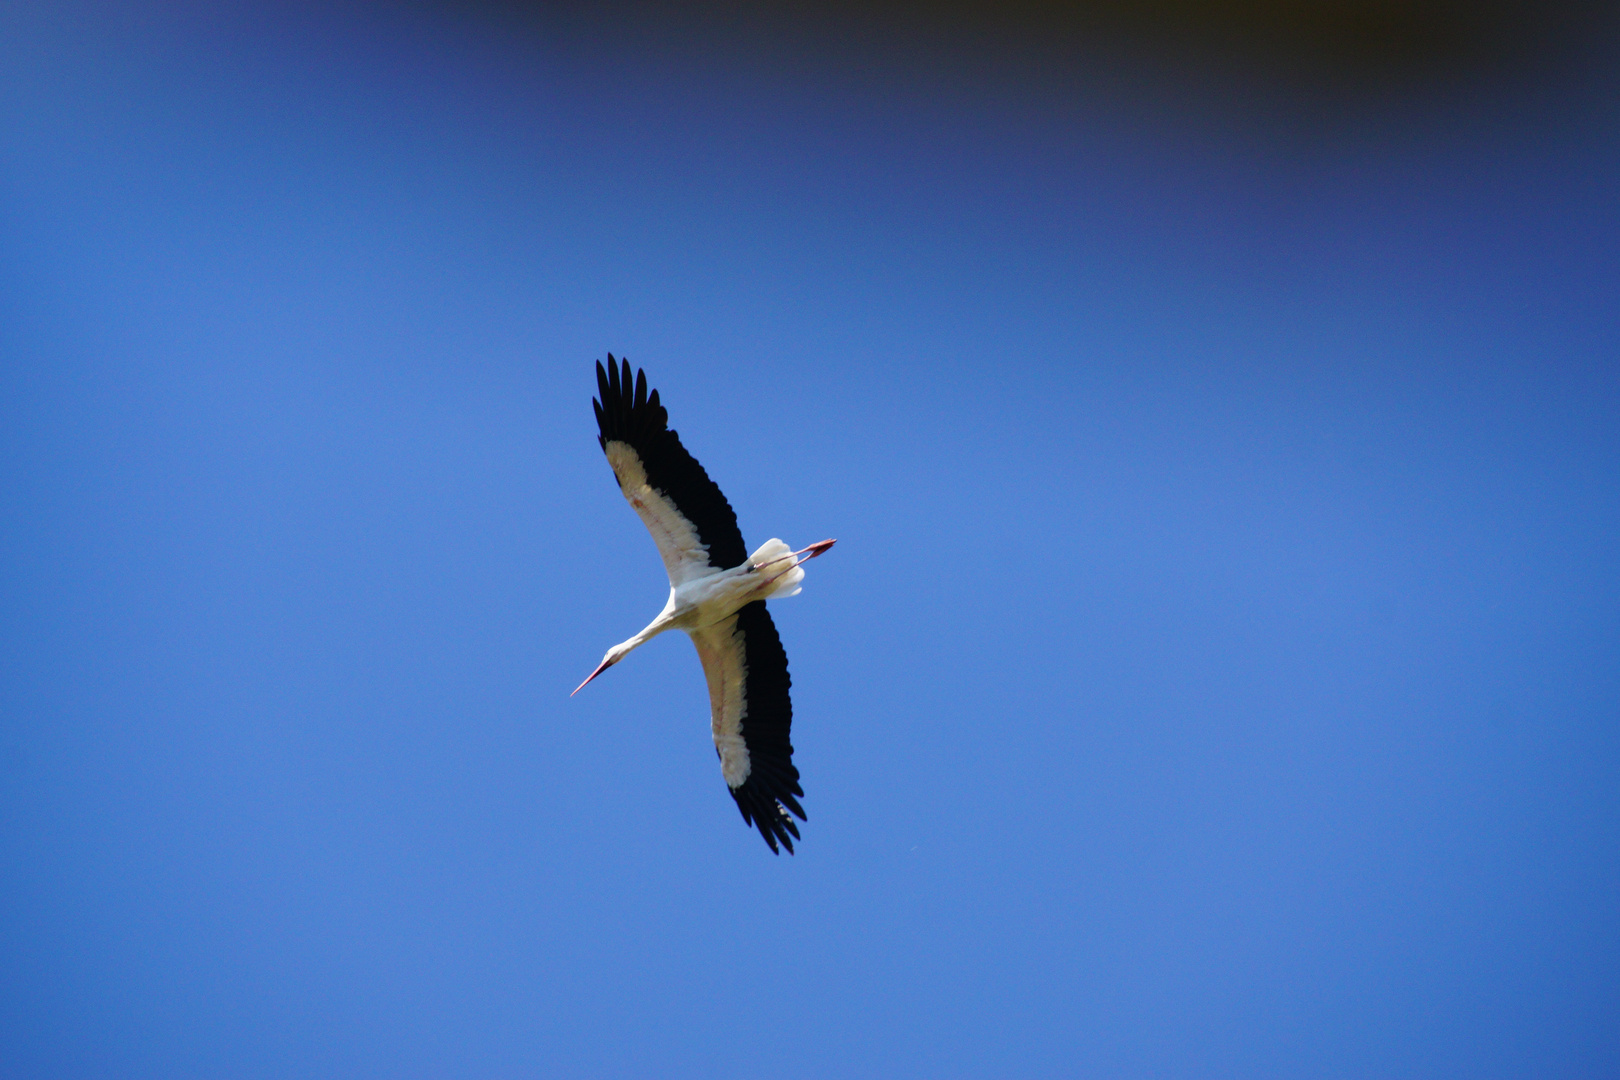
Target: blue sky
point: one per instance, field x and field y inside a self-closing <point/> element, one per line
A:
<point x="1216" y="675"/>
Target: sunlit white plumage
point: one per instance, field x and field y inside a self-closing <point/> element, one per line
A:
<point x="717" y="594"/>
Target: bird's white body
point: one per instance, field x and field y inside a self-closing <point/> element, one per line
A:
<point x="701" y="602"/>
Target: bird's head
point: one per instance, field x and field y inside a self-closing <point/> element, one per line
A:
<point x="614" y="655"/>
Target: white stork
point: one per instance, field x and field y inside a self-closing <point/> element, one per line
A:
<point x="717" y="594"/>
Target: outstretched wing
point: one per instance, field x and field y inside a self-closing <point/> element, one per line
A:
<point x="690" y="521"/>
<point x="751" y="715"/>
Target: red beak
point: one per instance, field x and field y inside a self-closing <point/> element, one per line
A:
<point x="603" y="666"/>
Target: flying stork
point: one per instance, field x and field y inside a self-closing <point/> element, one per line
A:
<point x="717" y="594"/>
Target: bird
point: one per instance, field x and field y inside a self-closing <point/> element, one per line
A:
<point x="717" y="594"/>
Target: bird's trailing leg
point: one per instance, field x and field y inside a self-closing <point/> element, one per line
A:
<point x="796" y="557"/>
<point x="814" y="549"/>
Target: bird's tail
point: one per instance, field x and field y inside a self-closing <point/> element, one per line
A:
<point x="776" y="560"/>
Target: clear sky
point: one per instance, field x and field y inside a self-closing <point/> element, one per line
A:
<point x="1217" y="674"/>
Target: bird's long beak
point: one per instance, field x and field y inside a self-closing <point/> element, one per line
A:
<point x="603" y="666"/>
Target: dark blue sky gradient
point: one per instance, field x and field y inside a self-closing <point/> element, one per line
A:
<point x="1216" y="676"/>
